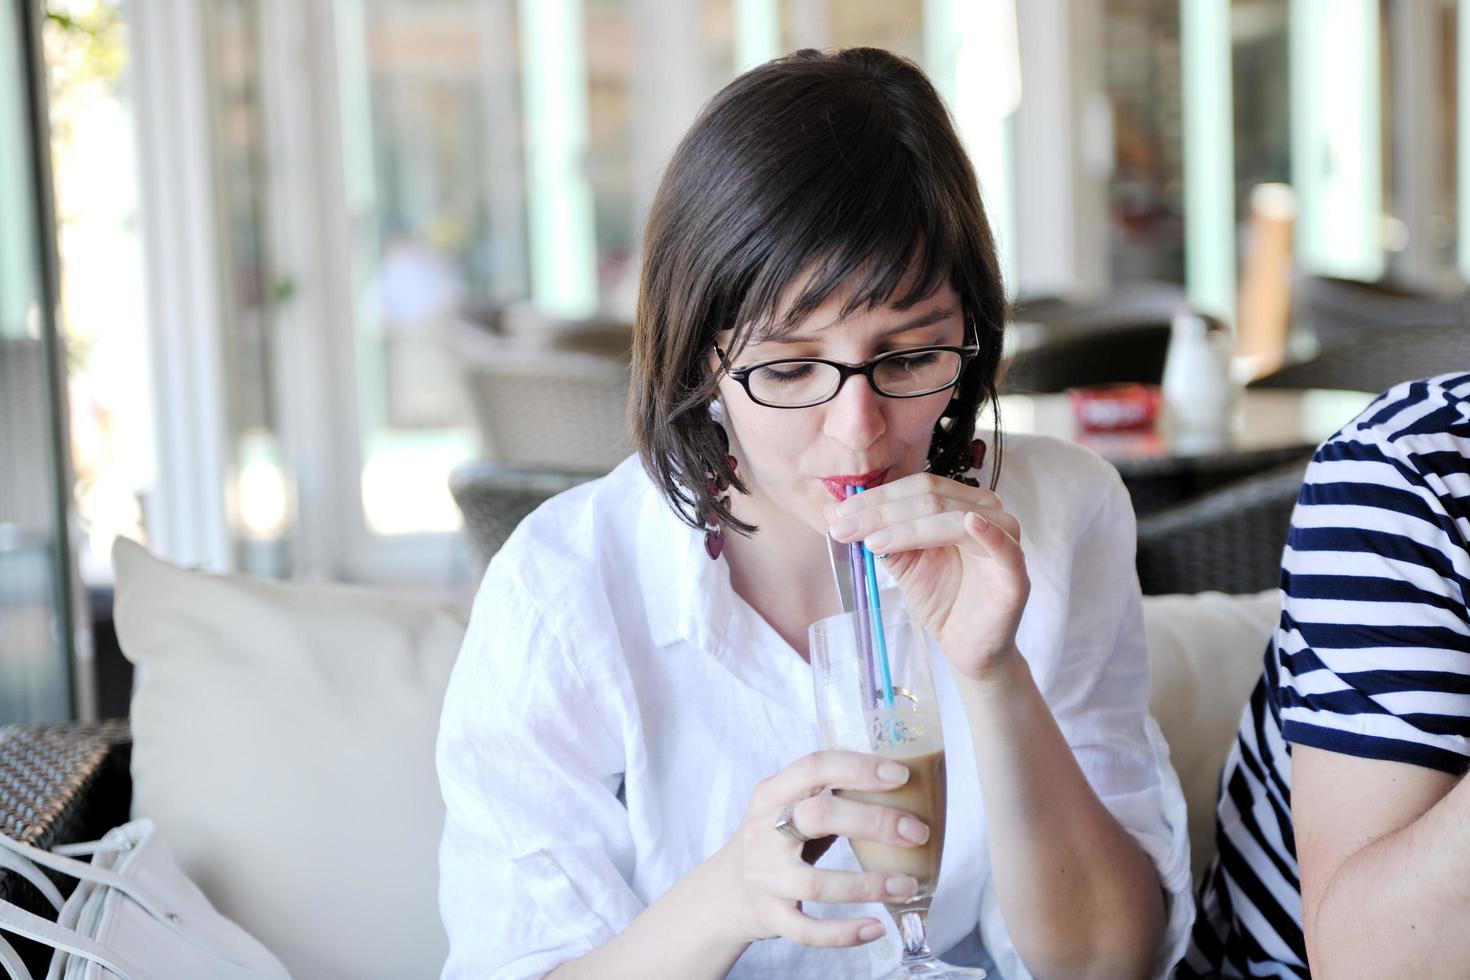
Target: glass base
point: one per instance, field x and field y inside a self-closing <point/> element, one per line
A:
<point x="917" y="961"/>
<point x="935" y="970"/>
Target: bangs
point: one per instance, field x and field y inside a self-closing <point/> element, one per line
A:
<point x="853" y="219"/>
<point x="897" y="271"/>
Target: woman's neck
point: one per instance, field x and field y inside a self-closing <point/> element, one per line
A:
<point x="783" y="573"/>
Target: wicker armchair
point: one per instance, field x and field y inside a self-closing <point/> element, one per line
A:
<point x="1230" y="540"/>
<point x="1340" y="310"/>
<point x="1061" y="343"/>
<point x="554" y="401"/>
<point x="1125" y="304"/>
<point x="495" y="498"/>
<point x="59" y="783"/>
<point x="1377" y="360"/>
<point x="1091" y="357"/>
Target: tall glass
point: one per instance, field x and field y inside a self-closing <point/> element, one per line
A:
<point x="855" y="714"/>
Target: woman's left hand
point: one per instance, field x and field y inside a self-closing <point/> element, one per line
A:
<point x="956" y="555"/>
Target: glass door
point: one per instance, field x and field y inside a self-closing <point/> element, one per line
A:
<point x="36" y="624"/>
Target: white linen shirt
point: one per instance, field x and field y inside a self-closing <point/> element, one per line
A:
<point x="606" y="650"/>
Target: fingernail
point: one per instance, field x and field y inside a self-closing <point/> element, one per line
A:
<point x="893" y="772"/>
<point x="879" y="541"/>
<point x="870" y="932"/>
<point x="910" y="828"/>
<point x="897" y="885"/>
<point x="844" y="527"/>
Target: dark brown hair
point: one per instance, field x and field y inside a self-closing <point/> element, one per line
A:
<point x="844" y="165"/>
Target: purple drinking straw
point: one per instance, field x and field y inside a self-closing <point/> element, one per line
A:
<point x="860" y="606"/>
<point x="870" y="616"/>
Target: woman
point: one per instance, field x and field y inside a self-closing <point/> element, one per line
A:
<point x="631" y="715"/>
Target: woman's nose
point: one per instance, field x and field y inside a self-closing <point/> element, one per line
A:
<point x="855" y="414"/>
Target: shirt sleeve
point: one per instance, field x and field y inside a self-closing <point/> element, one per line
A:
<point x="1373" y="647"/>
<point x="536" y="855"/>
<point x="1098" y="692"/>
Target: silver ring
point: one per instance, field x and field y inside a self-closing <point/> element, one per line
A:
<point x="883" y="557"/>
<point x="787" y="826"/>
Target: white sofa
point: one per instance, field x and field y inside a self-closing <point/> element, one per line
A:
<point x="283" y="743"/>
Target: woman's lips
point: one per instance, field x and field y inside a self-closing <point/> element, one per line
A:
<point x="837" y="485"/>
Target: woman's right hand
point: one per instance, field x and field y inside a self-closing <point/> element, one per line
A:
<point x="764" y="880"/>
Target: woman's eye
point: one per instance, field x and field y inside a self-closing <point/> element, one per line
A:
<point x="917" y="359"/>
<point x="793" y="372"/>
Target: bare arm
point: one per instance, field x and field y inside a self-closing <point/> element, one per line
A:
<point x="1080" y="897"/>
<point x="1385" y="866"/>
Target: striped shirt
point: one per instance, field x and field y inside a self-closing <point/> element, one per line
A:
<point x="1371" y="657"/>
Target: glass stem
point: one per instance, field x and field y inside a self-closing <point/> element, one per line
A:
<point x="912" y="931"/>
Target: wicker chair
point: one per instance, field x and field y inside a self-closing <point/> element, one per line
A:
<point x="59" y="783"/>
<point x="495" y="498"/>
<point x="1126" y="303"/>
<point x="553" y="402"/>
<point x="1229" y="540"/>
<point x="1062" y="343"/>
<point x="1341" y="310"/>
<point x="1377" y="360"/>
<point x="1090" y="357"/>
<point x="1158" y="486"/>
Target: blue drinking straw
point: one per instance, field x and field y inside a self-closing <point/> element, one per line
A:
<point x="875" y="608"/>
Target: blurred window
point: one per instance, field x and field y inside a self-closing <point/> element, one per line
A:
<point x="392" y="176"/>
<point x="35" y="557"/>
<point x="432" y="171"/>
<point x="102" y="301"/>
<point x="261" y="515"/>
<point x="495" y="153"/>
<point x="1142" y="80"/>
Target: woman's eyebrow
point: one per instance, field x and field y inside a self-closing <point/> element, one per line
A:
<point x="922" y="320"/>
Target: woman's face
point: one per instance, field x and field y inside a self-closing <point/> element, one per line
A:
<point x="797" y="461"/>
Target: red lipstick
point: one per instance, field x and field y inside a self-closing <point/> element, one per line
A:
<point x="837" y="485"/>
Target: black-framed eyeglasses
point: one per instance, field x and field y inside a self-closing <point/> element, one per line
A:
<point x="801" y="382"/>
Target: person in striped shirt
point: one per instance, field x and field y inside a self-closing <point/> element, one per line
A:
<point x="1343" y="818"/>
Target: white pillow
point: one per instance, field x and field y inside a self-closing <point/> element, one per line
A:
<point x="283" y="741"/>
<point x="1205" y="654"/>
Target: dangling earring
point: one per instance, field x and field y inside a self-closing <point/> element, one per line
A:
<point x="717" y="484"/>
<point x="965" y="462"/>
<point x="970" y="460"/>
<point x="977" y="460"/>
<point x="714" y="536"/>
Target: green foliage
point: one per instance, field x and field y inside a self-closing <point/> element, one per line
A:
<point x="85" y="43"/>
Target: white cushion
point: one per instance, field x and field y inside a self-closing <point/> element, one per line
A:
<point x="284" y="745"/>
<point x="1205" y="653"/>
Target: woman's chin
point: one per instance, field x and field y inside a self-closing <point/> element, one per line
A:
<point x="815" y="517"/>
<point x="808" y="514"/>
